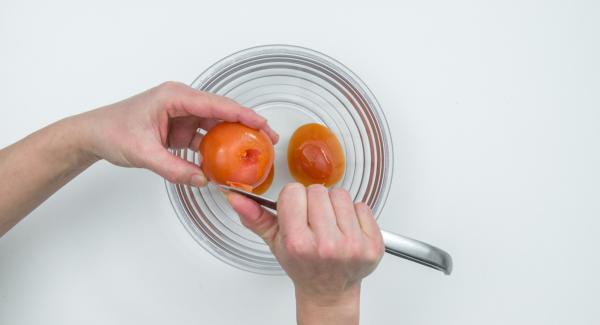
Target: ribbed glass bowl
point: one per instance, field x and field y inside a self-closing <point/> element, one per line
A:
<point x="290" y="86"/>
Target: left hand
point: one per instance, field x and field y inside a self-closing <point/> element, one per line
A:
<point x="137" y="131"/>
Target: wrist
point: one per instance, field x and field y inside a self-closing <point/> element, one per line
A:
<point x="74" y="133"/>
<point x="328" y="308"/>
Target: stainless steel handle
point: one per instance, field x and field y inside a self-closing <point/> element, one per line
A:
<point x="404" y="247"/>
<point x="417" y="251"/>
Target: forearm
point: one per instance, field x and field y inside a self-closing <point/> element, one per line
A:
<point x="37" y="166"/>
<point x="341" y="309"/>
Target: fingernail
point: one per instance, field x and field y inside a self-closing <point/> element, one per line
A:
<point x="293" y="187"/>
<point x="296" y="185"/>
<point x="198" y="180"/>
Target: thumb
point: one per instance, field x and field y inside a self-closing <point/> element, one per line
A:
<point x="174" y="169"/>
<point x="254" y="217"/>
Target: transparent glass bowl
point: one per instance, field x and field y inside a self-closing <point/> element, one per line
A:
<point x="290" y="86"/>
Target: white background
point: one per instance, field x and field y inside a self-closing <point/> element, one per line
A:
<point x="494" y="109"/>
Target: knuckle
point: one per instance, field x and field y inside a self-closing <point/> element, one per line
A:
<point x="374" y="253"/>
<point x="295" y="246"/>
<point x="327" y="250"/>
<point x="169" y="86"/>
<point x="379" y="245"/>
<point x="172" y="177"/>
<point x="259" y="121"/>
<point x="167" y="90"/>
<point x="355" y="250"/>
<point x="261" y="223"/>
<point x="226" y="99"/>
<point x="373" y="257"/>
<point x="212" y="100"/>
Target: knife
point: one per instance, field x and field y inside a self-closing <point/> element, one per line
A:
<point x="398" y="245"/>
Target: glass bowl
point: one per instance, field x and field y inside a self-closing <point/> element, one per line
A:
<point x="290" y="86"/>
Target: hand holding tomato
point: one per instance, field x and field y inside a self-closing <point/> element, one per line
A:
<point x="137" y="131"/>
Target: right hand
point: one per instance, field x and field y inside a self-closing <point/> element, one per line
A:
<point x="324" y="242"/>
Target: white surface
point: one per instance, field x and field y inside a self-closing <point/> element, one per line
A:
<point x="495" y="113"/>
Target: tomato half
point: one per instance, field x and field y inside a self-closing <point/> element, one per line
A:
<point x="234" y="154"/>
<point x="315" y="155"/>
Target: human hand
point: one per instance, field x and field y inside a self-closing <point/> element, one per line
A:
<point x="324" y="242"/>
<point x="137" y="131"/>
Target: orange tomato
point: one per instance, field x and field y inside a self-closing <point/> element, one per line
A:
<point x="236" y="155"/>
<point x="315" y="155"/>
<point x="264" y="186"/>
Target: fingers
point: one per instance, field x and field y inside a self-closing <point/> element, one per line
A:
<point x="272" y="134"/>
<point x="195" y="143"/>
<point x="311" y="247"/>
<point x="183" y="100"/>
<point x="254" y="217"/>
<point x="321" y="215"/>
<point x="181" y="131"/>
<point x="174" y="169"/>
<point x="292" y="210"/>
<point x="344" y="211"/>
<point x="376" y="247"/>
<point x="208" y="123"/>
<point x="228" y="110"/>
<point x="367" y="220"/>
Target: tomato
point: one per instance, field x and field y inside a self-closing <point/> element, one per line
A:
<point x="236" y="155"/>
<point x="264" y="186"/>
<point x="315" y="155"/>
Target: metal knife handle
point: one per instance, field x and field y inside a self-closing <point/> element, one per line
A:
<point x="404" y="247"/>
<point x="417" y="251"/>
